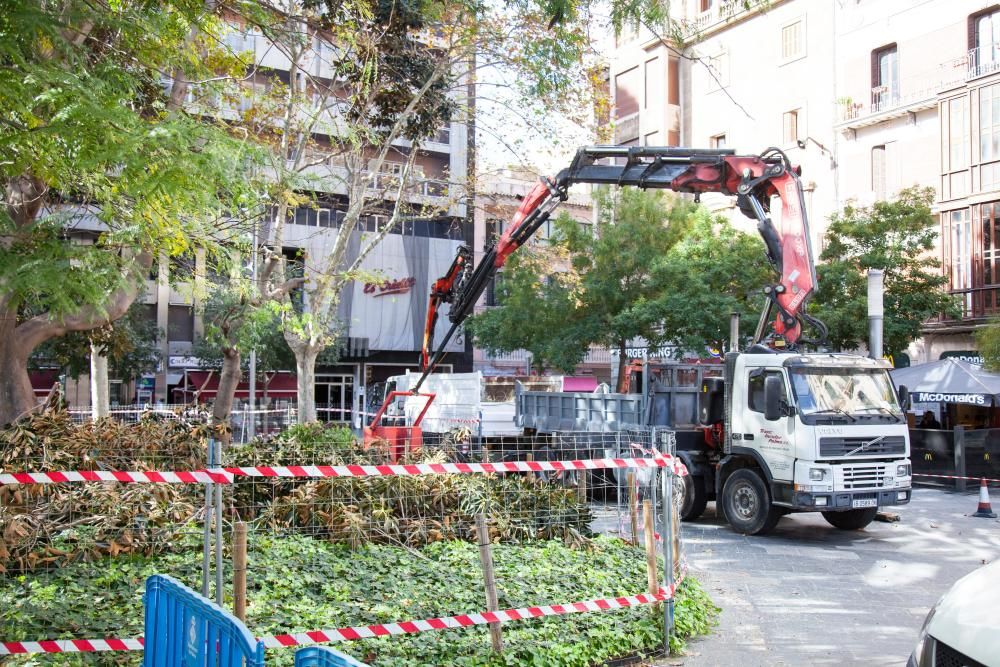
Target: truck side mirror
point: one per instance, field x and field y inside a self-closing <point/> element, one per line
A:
<point x="904" y="396"/>
<point x="772" y="397"/>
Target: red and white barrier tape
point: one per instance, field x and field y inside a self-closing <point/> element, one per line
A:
<point x="989" y="480"/>
<point x="362" y="631"/>
<point x="227" y="475"/>
<point x="144" y="477"/>
<point x="465" y="620"/>
<point x="71" y="646"/>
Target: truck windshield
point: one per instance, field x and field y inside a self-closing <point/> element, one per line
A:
<point x="847" y="391"/>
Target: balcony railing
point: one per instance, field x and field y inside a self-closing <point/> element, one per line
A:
<point x="983" y="60"/>
<point x="975" y="303"/>
<point x="888" y="98"/>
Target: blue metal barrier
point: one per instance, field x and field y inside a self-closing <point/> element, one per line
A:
<point x="183" y="629"/>
<point x="321" y="656"/>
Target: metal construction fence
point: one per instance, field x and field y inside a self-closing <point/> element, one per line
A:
<point x="245" y="423"/>
<point x="334" y="544"/>
<point x="957" y="458"/>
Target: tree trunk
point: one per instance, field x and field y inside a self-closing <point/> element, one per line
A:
<point x="622" y="367"/>
<point x="305" y="368"/>
<point x="229" y="379"/>
<point x="16" y="395"/>
<point x="99" y="403"/>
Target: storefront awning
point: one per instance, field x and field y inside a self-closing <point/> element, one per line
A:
<point x="42" y="380"/>
<point x="949" y="380"/>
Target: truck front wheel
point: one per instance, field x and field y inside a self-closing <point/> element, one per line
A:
<point x="851" y="519"/>
<point x="695" y="498"/>
<point x="747" y="503"/>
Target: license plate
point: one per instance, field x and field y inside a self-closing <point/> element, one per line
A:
<point x="864" y="502"/>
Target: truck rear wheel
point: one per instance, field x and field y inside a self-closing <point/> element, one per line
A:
<point x="747" y="504"/>
<point x="695" y="498"/>
<point x="851" y="519"/>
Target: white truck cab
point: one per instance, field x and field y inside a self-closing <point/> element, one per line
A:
<point x="810" y="432"/>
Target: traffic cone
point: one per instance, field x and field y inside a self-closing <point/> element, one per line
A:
<point x="984" y="511"/>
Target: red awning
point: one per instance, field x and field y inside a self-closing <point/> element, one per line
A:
<point x="42" y="380"/>
<point x="205" y="385"/>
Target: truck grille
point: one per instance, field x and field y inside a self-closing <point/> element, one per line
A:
<point x="893" y="444"/>
<point x="864" y="477"/>
<point x="946" y="656"/>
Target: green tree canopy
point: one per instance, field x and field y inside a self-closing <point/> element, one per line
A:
<point x="897" y="237"/>
<point x="92" y="140"/>
<point x="716" y="270"/>
<point x="602" y="297"/>
<point x="129" y="343"/>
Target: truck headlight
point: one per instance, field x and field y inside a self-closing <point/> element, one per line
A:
<point x="821" y="501"/>
<point x="817" y="474"/>
<point x="903" y="470"/>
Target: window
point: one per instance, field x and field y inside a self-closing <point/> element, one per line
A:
<point x="958" y="133"/>
<point x="989" y="123"/>
<point x="954" y="148"/>
<point x="651" y="82"/>
<point x="885" y="77"/>
<point x="718" y="141"/>
<point x="878" y="172"/>
<point x="990" y="221"/>
<point x="180" y="323"/>
<point x="961" y="256"/>
<point x="719" y="66"/>
<point x="651" y="139"/>
<point x="627" y="85"/>
<point x="674" y="81"/>
<point x="984" y="42"/>
<point x="755" y="396"/>
<point x="704" y="5"/>
<point x="790" y="126"/>
<point x="791" y="41"/>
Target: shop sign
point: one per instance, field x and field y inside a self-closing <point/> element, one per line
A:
<point x="968" y="356"/>
<point x="386" y="287"/>
<point x="938" y="397"/>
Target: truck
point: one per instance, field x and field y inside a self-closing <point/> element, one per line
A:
<point x="782" y="426"/>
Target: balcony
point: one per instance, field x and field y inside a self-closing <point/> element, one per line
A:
<point x="886" y="103"/>
<point x="982" y="60"/>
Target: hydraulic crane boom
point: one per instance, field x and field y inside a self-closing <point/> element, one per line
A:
<point x="753" y="179"/>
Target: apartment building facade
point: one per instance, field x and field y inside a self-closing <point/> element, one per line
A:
<point x="869" y="98"/>
<point x="381" y="319"/>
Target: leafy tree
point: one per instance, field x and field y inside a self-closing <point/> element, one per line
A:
<point x="397" y="73"/>
<point x="129" y="344"/>
<point x="898" y="237"/>
<point x="604" y="297"/>
<point x="713" y="272"/>
<point x="90" y="136"/>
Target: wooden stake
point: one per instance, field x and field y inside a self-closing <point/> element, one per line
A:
<point x="582" y="486"/>
<point x="633" y="506"/>
<point x="240" y="570"/>
<point x="647" y="524"/>
<point x="486" y="559"/>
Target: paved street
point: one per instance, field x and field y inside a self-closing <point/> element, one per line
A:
<point x="809" y="594"/>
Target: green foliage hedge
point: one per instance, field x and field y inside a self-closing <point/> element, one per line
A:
<point x="298" y="584"/>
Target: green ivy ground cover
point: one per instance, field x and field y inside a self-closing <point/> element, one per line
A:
<point x="298" y="584"/>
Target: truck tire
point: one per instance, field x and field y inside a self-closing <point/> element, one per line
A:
<point x="695" y="498"/>
<point x="747" y="504"/>
<point x="851" y="519"/>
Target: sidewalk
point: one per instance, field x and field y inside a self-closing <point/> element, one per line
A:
<point x="809" y="594"/>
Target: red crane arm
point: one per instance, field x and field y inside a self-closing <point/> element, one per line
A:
<point x="443" y="291"/>
<point x="753" y="179"/>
